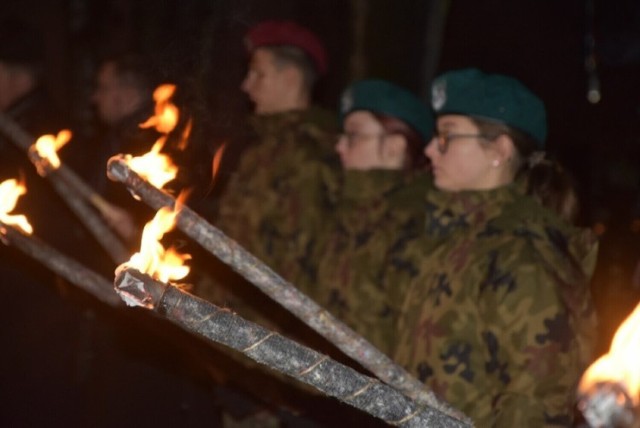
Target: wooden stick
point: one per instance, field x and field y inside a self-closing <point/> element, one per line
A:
<point x="16" y="134"/>
<point x="24" y="141"/>
<point x="91" y="219"/>
<point x="62" y="265"/>
<point x="83" y="189"/>
<point x="278" y="353"/>
<point x="256" y="272"/>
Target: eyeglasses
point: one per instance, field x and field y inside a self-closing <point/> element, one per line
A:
<point x="353" y="137"/>
<point x="443" y="140"/>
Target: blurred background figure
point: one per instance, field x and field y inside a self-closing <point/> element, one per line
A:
<point x="123" y="92"/>
<point x="43" y="317"/>
<point x="123" y="99"/>
<point x="24" y="100"/>
<point x="21" y="70"/>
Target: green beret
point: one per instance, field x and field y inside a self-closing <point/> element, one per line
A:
<point x="380" y="96"/>
<point x="492" y="97"/>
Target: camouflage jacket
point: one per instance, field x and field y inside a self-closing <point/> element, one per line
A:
<point x="497" y="317"/>
<point x="369" y="211"/>
<point x="277" y="179"/>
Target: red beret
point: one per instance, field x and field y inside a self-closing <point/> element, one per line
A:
<point x="270" y="33"/>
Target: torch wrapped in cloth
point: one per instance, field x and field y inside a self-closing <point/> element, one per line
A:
<point x="257" y="273"/>
<point x="264" y="346"/>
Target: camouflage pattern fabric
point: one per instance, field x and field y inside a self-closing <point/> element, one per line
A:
<point x="497" y="317"/>
<point x="271" y="203"/>
<point x="278" y="178"/>
<point x="350" y="253"/>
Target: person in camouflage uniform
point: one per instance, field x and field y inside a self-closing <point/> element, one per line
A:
<point x="273" y="195"/>
<point x="274" y="187"/>
<point x="497" y="316"/>
<point x="385" y="129"/>
<point x="278" y="175"/>
<point x="277" y="182"/>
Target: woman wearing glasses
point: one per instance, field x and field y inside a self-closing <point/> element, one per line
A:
<point x="385" y="129"/>
<point x="497" y="317"/>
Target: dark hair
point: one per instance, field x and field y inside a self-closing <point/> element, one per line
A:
<point x="415" y="143"/>
<point x="135" y="70"/>
<point x="546" y="180"/>
<point x="291" y="55"/>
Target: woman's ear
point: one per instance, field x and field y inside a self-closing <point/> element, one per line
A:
<point x="504" y="149"/>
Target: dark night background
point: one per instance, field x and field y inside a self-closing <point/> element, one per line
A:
<point x="545" y="43"/>
<point x="197" y="44"/>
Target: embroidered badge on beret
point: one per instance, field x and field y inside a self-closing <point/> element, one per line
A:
<point x="386" y="98"/>
<point x="346" y="102"/>
<point x="439" y="94"/>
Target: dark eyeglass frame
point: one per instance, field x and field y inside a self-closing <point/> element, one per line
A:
<point x="353" y="136"/>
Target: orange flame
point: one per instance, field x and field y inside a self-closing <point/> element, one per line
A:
<point x="217" y="158"/>
<point x="215" y="165"/>
<point x="153" y="259"/>
<point x="184" y="138"/>
<point x="10" y="191"/>
<point x="47" y="146"/>
<point x="620" y="364"/>
<point x="166" y="113"/>
<point x="155" y="167"/>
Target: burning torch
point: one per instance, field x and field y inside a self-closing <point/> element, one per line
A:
<point x="217" y="243"/>
<point x="609" y="391"/>
<point x="144" y="281"/>
<point x="71" y="188"/>
<point x="145" y="176"/>
<point x="16" y="231"/>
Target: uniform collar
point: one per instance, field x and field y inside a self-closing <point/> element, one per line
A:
<point x="264" y="124"/>
<point x="447" y="211"/>
<point x="364" y="185"/>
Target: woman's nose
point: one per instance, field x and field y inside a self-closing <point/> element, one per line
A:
<point x="431" y="148"/>
<point x="341" y="144"/>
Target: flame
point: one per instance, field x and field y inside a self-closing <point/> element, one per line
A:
<point x="215" y="165"/>
<point x="153" y="259"/>
<point x="620" y="364"/>
<point x="155" y="167"/>
<point x="217" y="158"/>
<point x="184" y="138"/>
<point x="10" y="191"/>
<point x="166" y="113"/>
<point x="47" y="146"/>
